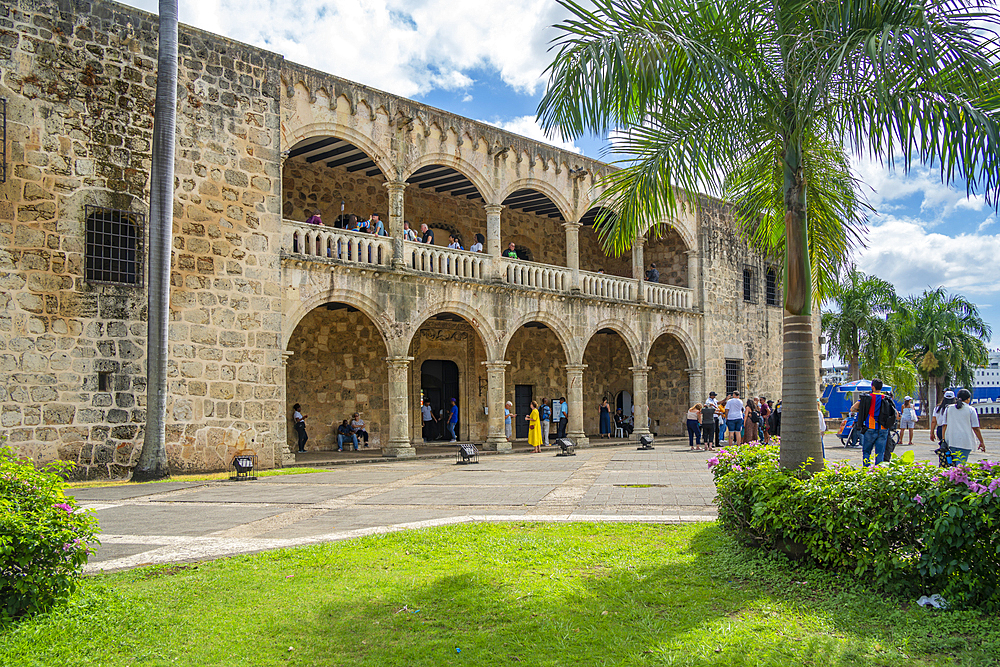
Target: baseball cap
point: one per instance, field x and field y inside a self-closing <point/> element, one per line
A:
<point x="907" y="398"/>
<point x="712" y="393"/>
<point x="949" y="394"/>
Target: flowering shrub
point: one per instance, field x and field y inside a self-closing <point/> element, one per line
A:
<point x="43" y="537"/>
<point x="911" y="527"/>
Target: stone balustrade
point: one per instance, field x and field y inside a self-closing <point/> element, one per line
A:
<point x="333" y="243"/>
<point x="532" y="274"/>
<point x="360" y="248"/>
<point x="445" y="261"/>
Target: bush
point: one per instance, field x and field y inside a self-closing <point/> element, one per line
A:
<point x="43" y="537"/>
<point x="909" y="527"/>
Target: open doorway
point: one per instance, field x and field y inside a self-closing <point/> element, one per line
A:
<point x="439" y="384"/>
<point x="522" y="407"/>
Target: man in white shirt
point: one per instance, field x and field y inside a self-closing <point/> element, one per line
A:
<point x="734" y="417"/>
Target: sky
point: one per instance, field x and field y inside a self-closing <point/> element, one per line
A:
<point x="485" y="59"/>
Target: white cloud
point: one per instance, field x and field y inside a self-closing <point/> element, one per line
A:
<point x="467" y="98"/>
<point x="526" y="126"/>
<point x="406" y="47"/>
<point x="886" y="188"/>
<point x="986" y="223"/>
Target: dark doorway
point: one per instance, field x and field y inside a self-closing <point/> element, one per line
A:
<point x="439" y="383"/>
<point x="522" y="406"/>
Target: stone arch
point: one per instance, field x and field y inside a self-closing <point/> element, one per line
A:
<point x="361" y="301"/>
<point x="480" y="324"/>
<point x="346" y="133"/>
<point x="682" y="336"/>
<point x="632" y="341"/>
<point x="553" y="193"/>
<point x="458" y="164"/>
<point x="669" y="390"/>
<point x="558" y="326"/>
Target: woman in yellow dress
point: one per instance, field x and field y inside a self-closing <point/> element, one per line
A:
<point x="534" y="429"/>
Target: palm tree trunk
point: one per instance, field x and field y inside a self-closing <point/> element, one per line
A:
<point x="800" y="436"/>
<point x="854" y="367"/>
<point x="152" y="463"/>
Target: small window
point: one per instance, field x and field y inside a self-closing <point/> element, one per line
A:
<point x="114" y="246"/>
<point x="734" y="375"/>
<point x="104" y="381"/>
<point x="749" y="293"/>
<point x="771" y="288"/>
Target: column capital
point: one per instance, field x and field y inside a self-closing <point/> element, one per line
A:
<point x="395" y="186"/>
<point x="285" y="356"/>
<point x="693" y="372"/>
<point x="572" y="225"/>
<point x="638" y="241"/>
<point x="640" y="370"/>
<point x="495" y="365"/>
<point x="575" y="368"/>
<point x="399" y="362"/>
<point x="493" y="209"/>
<point x="693" y="252"/>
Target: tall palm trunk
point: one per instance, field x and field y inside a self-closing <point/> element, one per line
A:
<point x="800" y="437"/>
<point x="152" y="463"/>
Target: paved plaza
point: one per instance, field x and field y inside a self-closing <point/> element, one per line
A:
<point x="187" y="521"/>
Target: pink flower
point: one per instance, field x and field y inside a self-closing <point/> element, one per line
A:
<point x="65" y="507"/>
<point x="738" y="468"/>
<point x="712" y="462"/>
<point x="918" y="500"/>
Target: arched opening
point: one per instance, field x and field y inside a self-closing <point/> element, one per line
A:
<point x="537" y="371"/>
<point x="334" y="177"/>
<point x="668" y="387"/>
<point x="337" y="367"/>
<point x="448" y="202"/>
<point x="607" y="374"/>
<point x="592" y="257"/>
<point x="448" y="356"/>
<point x="668" y="252"/>
<point x="533" y="222"/>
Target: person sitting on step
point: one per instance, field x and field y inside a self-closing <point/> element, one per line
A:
<point x="358" y="426"/>
<point x="344" y="432"/>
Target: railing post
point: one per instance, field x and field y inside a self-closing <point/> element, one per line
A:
<point x="396" y="199"/>
<point x="573" y="253"/>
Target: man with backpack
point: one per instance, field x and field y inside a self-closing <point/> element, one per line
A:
<point x="876" y="417"/>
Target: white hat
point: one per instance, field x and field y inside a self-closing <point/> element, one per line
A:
<point x="907" y="398"/>
<point x="949" y="394"/>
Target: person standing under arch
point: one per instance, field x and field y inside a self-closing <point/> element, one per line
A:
<point x="299" y="420"/>
<point x="534" y="429"/>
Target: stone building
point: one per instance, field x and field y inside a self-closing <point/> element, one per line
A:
<point x="267" y="311"/>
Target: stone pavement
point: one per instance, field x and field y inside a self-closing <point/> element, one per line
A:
<point x="188" y="521"/>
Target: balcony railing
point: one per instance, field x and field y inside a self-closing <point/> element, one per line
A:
<point x="355" y="247"/>
<point x="367" y="249"/>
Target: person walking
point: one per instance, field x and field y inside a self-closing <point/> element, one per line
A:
<point x="300" y="426"/>
<point x="546" y="416"/>
<point x="940" y="416"/>
<point x="961" y="423"/>
<point x="605" y="419"/>
<point x="507" y="415"/>
<point x="908" y="420"/>
<point x="876" y="415"/>
<point x="709" y="427"/>
<point x="427" y="414"/>
<point x="694" y="426"/>
<point x="452" y="421"/>
<point x="564" y="417"/>
<point x="534" y="429"/>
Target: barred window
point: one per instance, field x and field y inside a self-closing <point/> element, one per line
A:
<point x="749" y="293"/>
<point x="734" y="375"/>
<point x="114" y="246"/>
<point x="772" y="287"/>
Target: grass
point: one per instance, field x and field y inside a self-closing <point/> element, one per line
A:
<point x="199" y="477"/>
<point x="549" y="594"/>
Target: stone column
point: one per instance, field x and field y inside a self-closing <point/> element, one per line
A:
<point x="696" y="386"/>
<point x="573" y="258"/>
<point x="638" y="268"/>
<point x="493" y="237"/>
<point x="693" y="278"/>
<point x="287" y="454"/>
<point x="496" y="439"/>
<point x="395" y="222"/>
<point x="640" y="400"/>
<point x="574" y="394"/>
<point x="399" y="409"/>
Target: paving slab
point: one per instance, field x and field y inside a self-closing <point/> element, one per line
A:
<point x="177" y="519"/>
<point x="125" y="491"/>
<point x="461" y="495"/>
<point x="359" y="474"/>
<point x="500" y="477"/>
<point x="263" y="492"/>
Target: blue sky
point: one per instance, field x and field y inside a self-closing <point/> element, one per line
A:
<point x="484" y="59"/>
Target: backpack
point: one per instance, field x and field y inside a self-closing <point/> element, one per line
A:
<point x="886" y="417"/>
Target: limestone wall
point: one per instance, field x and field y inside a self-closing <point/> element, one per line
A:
<point x="80" y="81"/>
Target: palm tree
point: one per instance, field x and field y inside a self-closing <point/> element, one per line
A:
<point x="857" y="328"/>
<point x="702" y="90"/>
<point x="944" y="335"/>
<point x="896" y="369"/>
<point x="152" y="463"/>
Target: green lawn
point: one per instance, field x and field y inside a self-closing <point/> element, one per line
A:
<point x="549" y="594"/>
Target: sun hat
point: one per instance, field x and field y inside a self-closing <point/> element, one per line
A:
<point x="907" y="398"/>
<point x="949" y="394"/>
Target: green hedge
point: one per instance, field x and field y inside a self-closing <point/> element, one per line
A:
<point x="44" y="537"/>
<point x="913" y="528"/>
